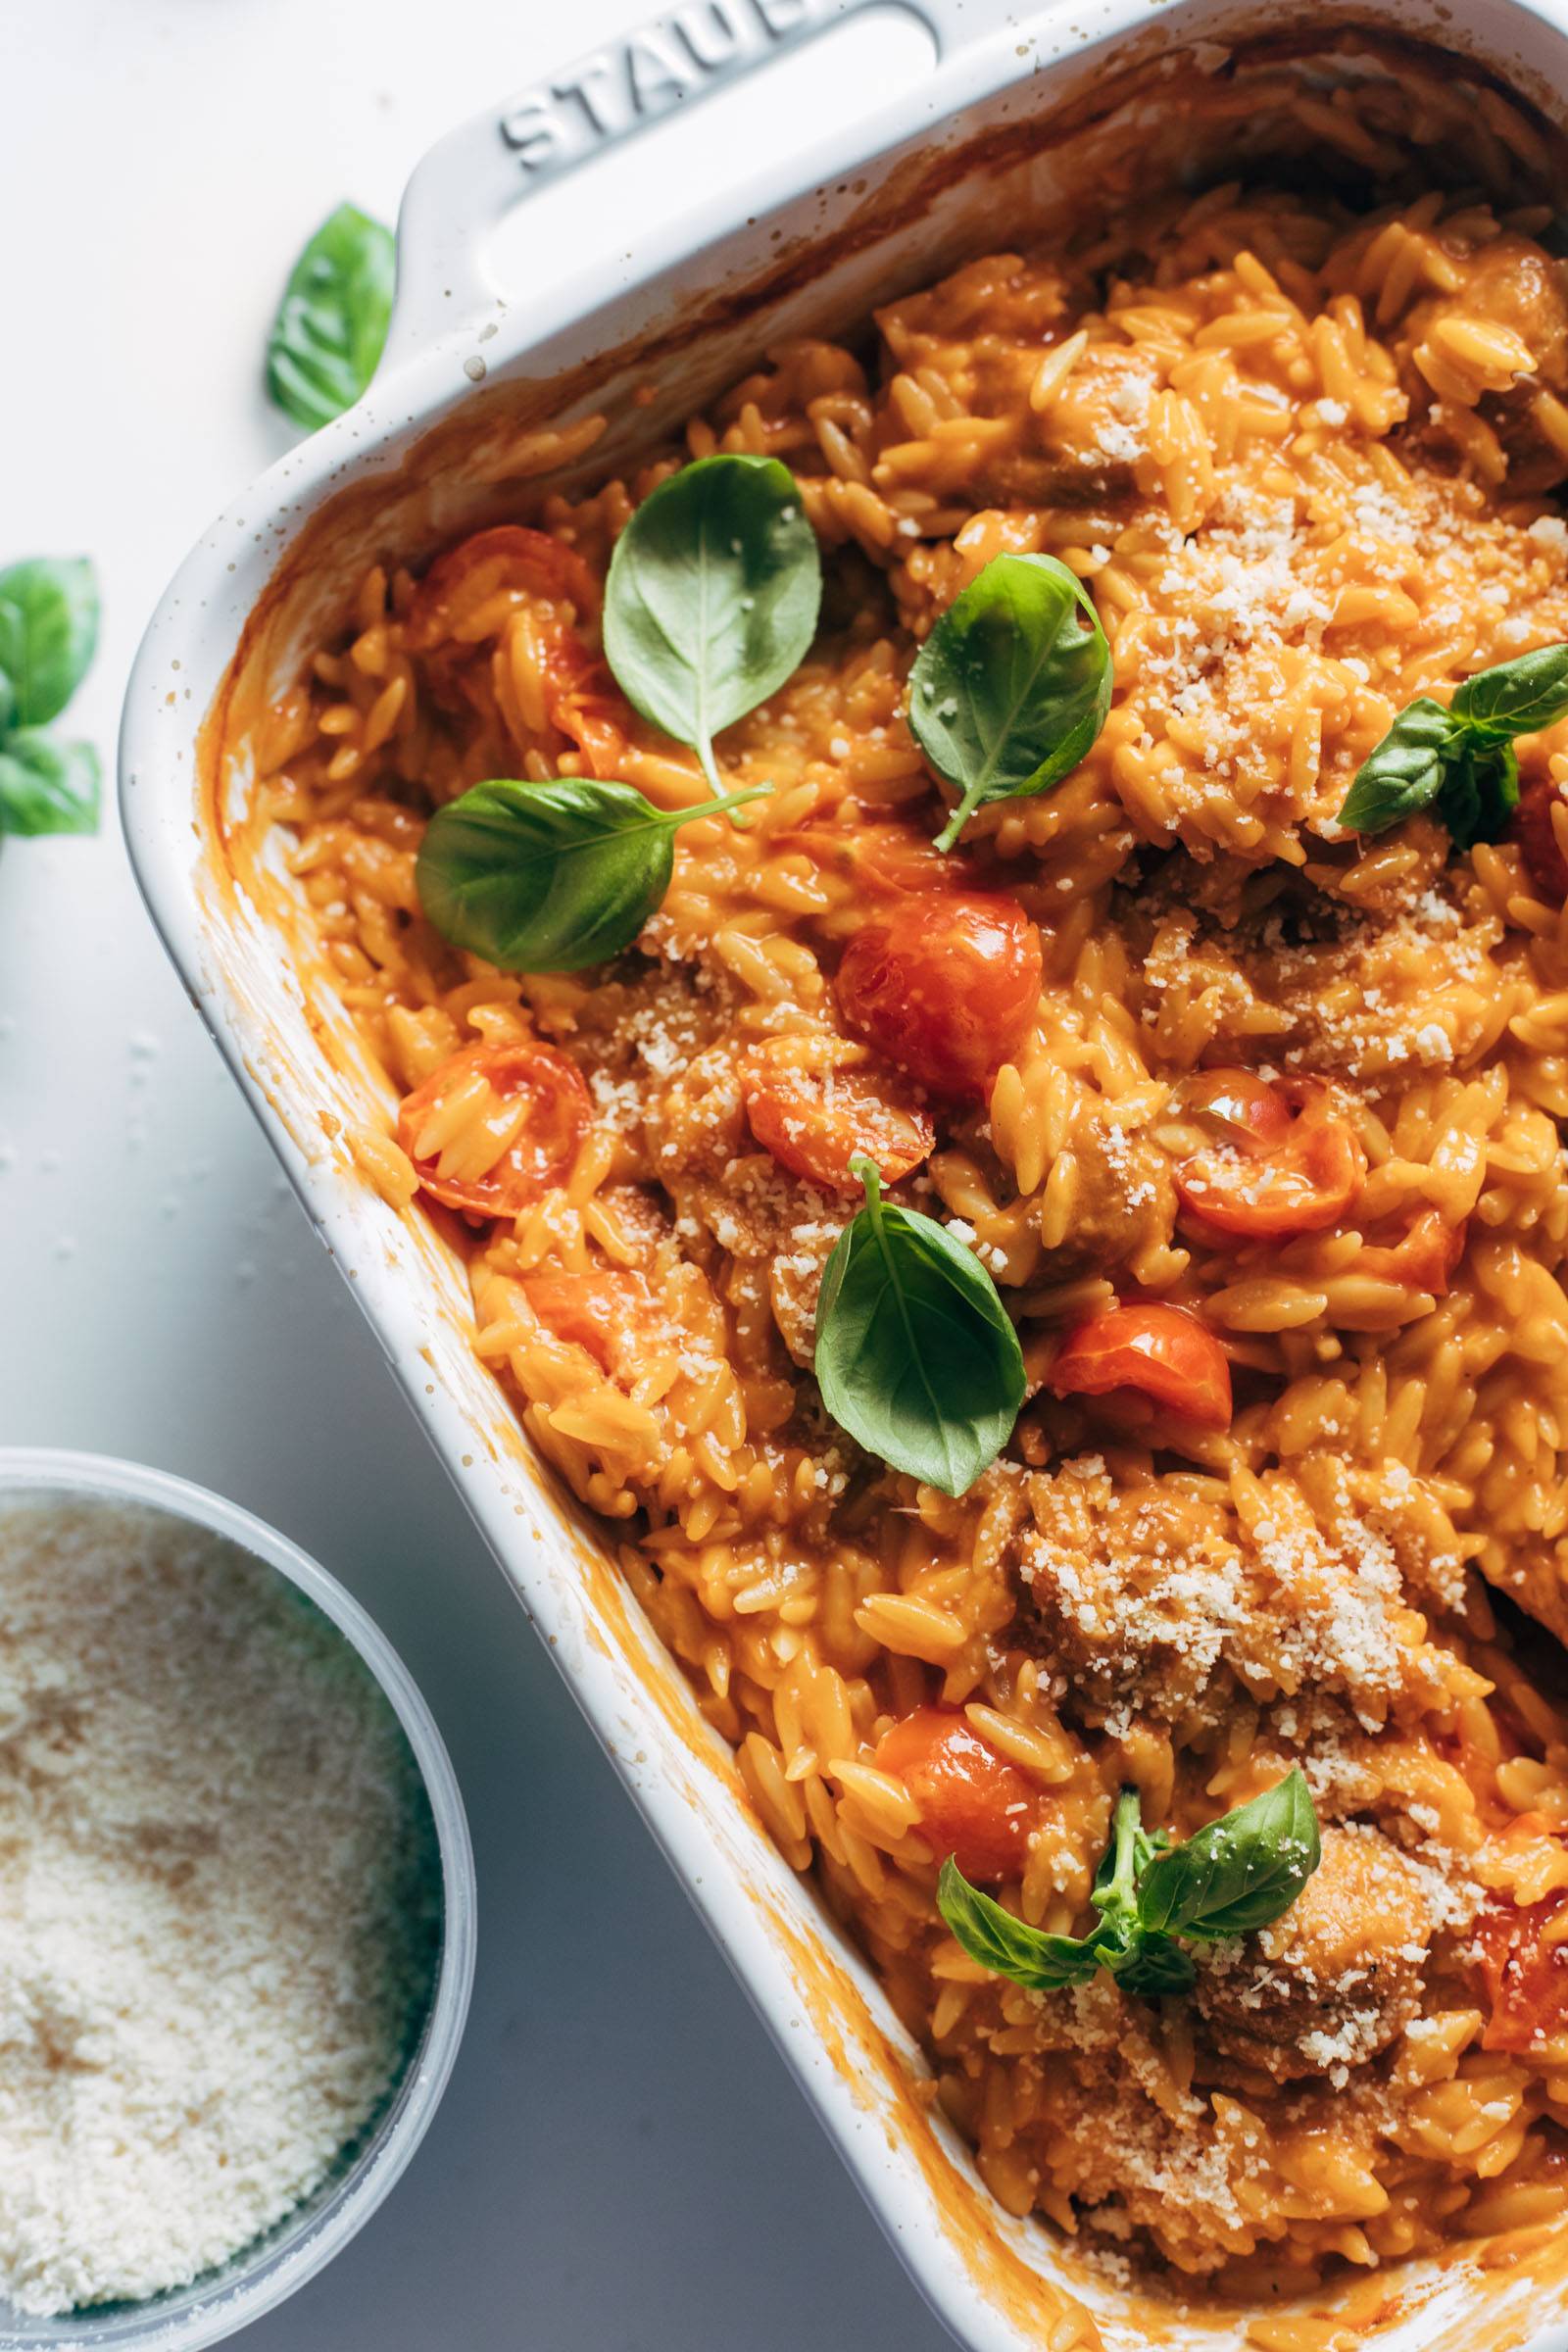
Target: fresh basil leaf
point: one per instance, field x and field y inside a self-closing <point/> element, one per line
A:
<point x="1514" y="697"/>
<point x="333" y="320"/>
<point x="917" y="1357"/>
<point x="47" y="786"/>
<point x="1155" y="1968"/>
<point x="1011" y="689"/>
<point x="1479" y="793"/>
<point x="1404" y="772"/>
<point x="8" y="705"/>
<point x="713" y="597"/>
<point x="48" y="633"/>
<point x="550" y="878"/>
<point x="1462" y="757"/>
<point x="1008" y="1946"/>
<point x="1240" y="1872"/>
<point x="1114" y="1892"/>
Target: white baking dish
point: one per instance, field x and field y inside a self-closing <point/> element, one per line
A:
<point x="1012" y="122"/>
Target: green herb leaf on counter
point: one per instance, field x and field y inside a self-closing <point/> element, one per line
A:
<point x="48" y="634"/>
<point x="1233" y="1876"/>
<point x="551" y="876"/>
<point x="1460" y="760"/>
<point x="331" y="324"/>
<point x="47" y="786"/>
<point x="1012" y="685"/>
<point x="917" y="1357"/>
<point x="713" y="595"/>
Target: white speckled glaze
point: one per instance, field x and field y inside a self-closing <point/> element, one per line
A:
<point x="454" y="341"/>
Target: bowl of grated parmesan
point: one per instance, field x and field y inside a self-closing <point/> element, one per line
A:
<point x="236" y="1911"/>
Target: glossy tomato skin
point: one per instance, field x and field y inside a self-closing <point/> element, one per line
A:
<point x="604" y="1309"/>
<point x="884" y="860"/>
<point x="814" y="1120"/>
<point x="510" y="559"/>
<point x="1285" y="1160"/>
<point x="1163" y="1353"/>
<point x="974" y="1804"/>
<point x="581" y="701"/>
<point x="558" y="1112"/>
<point x="1537" y="836"/>
<point x="1242" y="1108"/>
<point x="1525" y="1974"/>
<point x="1425" y="1259"/>
<point x="944" y="985"/>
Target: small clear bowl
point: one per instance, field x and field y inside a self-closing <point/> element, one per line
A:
<point x="264" y="2274"/>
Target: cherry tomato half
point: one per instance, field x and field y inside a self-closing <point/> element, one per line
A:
<point x="582" y="704"/>
<point x="1425" y="1259"/>
<point x="1526" y="1977"/>
<point x="885" y="858"/>
<point x="946" y="986"/>
<point x="534" y="1104"/>
<point x="1164" y="1352"/>
<point x="606" y="1309"/>
<point x="1284" y="1161"/>
<point x="813" y="1120"/>
<point x="509" y="560"/>
<point x="973" y="1804"/>
<point x="1537" y="835"/>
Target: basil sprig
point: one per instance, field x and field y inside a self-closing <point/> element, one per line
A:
<point x="48" y="636"/>
<point x="1460" y="760"/>
<point x="1235" y="1875"/>
<point x="550" y="878"/>
<point x="713" y="597"/>
<point x="917" y="1357"/>
<point x="1011" y="687"/>
<point x="711" y="603"/>
<point x="333" y="320"/>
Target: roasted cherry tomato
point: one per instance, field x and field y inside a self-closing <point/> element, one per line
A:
<point x="813" y="1120"/>
<point x="885" y="858"/>
<point x="581" y="701"/>
<point x="973" y="1804"/>
<point x="1164" y="1352"/>
<point x="946" y="986"/>
<point x="1525" y="1974"/>
<point x="1425" y="1259"/>
<point x="1284" y="1161"/>
<point x="607" y="1309"/>
<point x="509" y="560"/>
<point x="1537" y="836"/>
<point x="520" y="1137"/>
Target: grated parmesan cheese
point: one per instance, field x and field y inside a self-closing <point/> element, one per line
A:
<point x="216" y="1901"/>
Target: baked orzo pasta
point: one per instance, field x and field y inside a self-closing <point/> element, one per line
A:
<point x="1251" y="1121"/>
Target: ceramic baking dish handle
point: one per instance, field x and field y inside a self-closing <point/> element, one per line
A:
<point x="468" y="183"/>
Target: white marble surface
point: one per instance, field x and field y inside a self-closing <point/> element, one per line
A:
<point x="621" y="2163"/>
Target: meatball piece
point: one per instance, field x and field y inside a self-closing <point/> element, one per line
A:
<point x="1517" y="296"/>
<point x="1335" y="1979"/>
<point x="1129" y="1595"/>
<point x="1094" y="429"/>
<point x="1122" y="1198"/>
